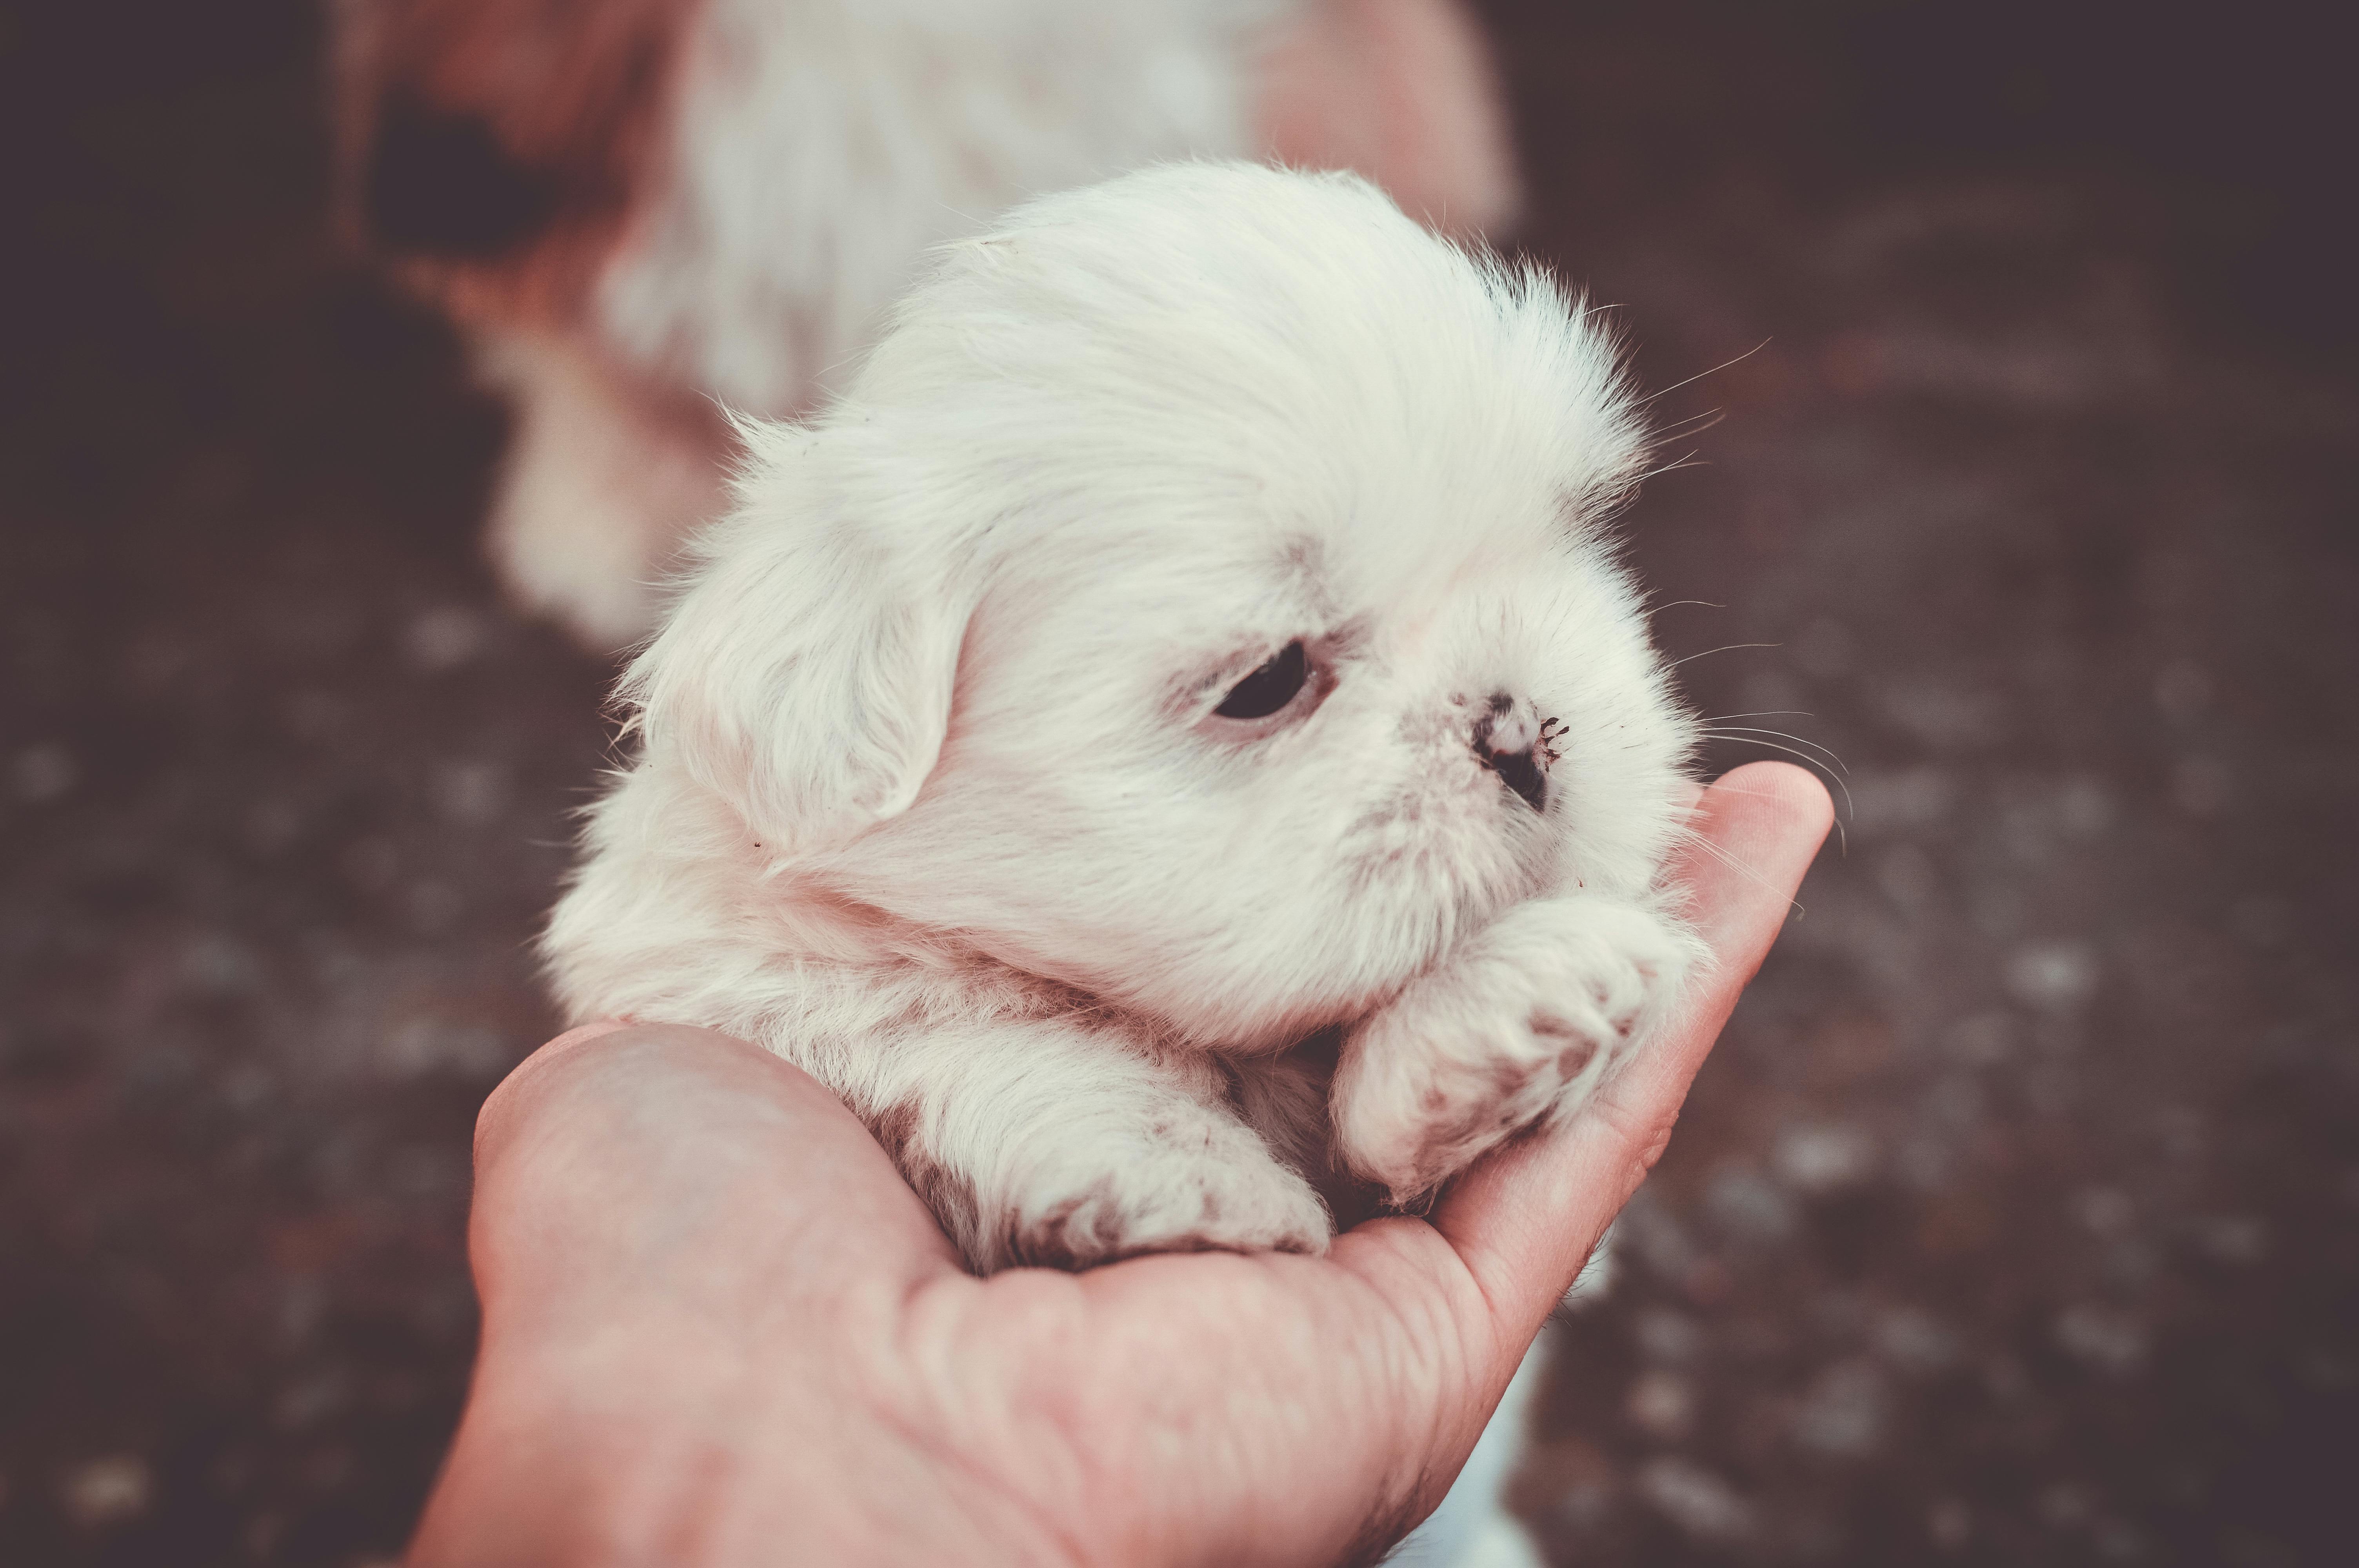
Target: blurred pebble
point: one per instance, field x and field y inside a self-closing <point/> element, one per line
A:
<point x="1983" y="1040"/>
<point x="315" y="715"/>
<point x="371" y="863"/>
<point x="272" y="826"/>
<point x="470" y="794"/>
<point x="45" y="772"/>
<point x="2085" y="808"/>
<point x="1823" y="1157"/>
<point x="1661" y="1404"/>
<point x="2182" y="1132"/>
<point x="1708" y="1282"/>
<point x="2105" y="1210"/>
<point x="425" y="1171"/>
<point x="2263" y="920"/>
<point x="1842" y="1414"/>
<point x="1888" y="802"/>
<point x="1907" y="878"/>
<point x="1747" y="1205"/>
<point x="1696" y="1500"/>
<point x="2119" y="1542"/>
<point x="1586" y="1503"/>
<point x="2109" y="1340"/>
<point x="107" y="1491"/>
<point x="2132" y="1263"/>
<point x="1838" y="1313"/>
<point x="307" y="1403"/>
<point x="1668" y="1335"/>
<point x="423" y="1045"/>
<point x="1949" y="717"/>
<point x="1770" y="696"/>
<point x="1824" y="649"/>
<point x="2239" y="1240"/>
<point x="1949" y="1524"/>
<point x="1915" y="1341"/>
<point x="222" y="965"/>
<point x="2328" y="1369"/>
<point x="1925" y="1162"/>
<point x="444" y="638"/>
<point x="247" y="1086"/>
<point x="1955" y="1101"/>
<point x="2182" y="690"/>
<point x="435" y="907"/>
<point x="1657" y="1236"/>
<point x="2054" y="976"/>
<point x="2005" y="1379"/>
<point x="2202" y="786"/>
<point x="302" y="1305"/>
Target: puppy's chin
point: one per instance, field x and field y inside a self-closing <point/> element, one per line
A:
<point x="1189" y="992"/>
<point x="1244" y="965"/>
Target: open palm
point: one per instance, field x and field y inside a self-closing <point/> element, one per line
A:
<point x="718" y="1328"/>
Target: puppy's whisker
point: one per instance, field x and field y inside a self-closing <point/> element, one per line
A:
<point x="1710" y="417"/>
<point x="1701" y="373"/>
<point x="1723" y="788"/>
<point x="1834" y="778"/>
<point x="1723" y="648"/>
<point x="1676" y="603"/>
<point x="1765" y="713"/>
<point x="972" y="219"/>
<point x="1733" y="732"/>
<point x="1691" y="461"/>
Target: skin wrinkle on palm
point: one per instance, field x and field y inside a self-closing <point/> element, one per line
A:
<point x="1030" y="1399"/>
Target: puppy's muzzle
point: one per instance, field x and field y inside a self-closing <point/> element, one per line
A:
<point x="1513" y="741"/>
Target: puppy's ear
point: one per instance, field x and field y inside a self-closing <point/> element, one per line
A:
<point x="806" y="675"/>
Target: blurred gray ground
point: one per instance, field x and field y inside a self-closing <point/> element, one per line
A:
<point x="2014" y="1222"/>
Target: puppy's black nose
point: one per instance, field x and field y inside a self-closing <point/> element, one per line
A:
<point x="1521" y="772"/>
<point x="1515" y="746"/>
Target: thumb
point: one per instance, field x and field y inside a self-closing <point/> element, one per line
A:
<point x="1525" y="1219"/>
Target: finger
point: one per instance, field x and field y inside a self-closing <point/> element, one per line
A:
<point x="1525" y="1219"/>
<point x="496" y="1106"/>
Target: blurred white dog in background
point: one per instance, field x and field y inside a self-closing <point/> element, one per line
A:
<point x="640" y="209"/>
<point x="1191" y="634"/>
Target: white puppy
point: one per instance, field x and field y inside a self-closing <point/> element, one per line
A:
<point x="1192" y="632"/>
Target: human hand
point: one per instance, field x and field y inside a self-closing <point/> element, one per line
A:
<point x="719" y="1328"/>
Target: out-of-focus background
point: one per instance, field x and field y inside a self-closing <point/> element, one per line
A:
<point x="2014" y="1222"/>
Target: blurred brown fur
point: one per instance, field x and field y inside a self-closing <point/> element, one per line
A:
<point x="638" y="211"/>
<point x="492" y="148"/>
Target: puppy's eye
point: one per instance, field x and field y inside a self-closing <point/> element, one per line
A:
<point x="1269" y="688"/>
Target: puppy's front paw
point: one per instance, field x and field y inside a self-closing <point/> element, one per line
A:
<point x="1521" y="1026"/>
<point x="1196" y="1180"/>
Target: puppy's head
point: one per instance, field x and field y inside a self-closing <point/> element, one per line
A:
<point x="1199" y="599"/>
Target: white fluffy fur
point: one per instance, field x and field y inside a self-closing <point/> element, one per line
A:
<point x="820" y="149"/>
<point x="932" y="799"/>
<point x="815" y="150"/>
<point x="599" y="483"/>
